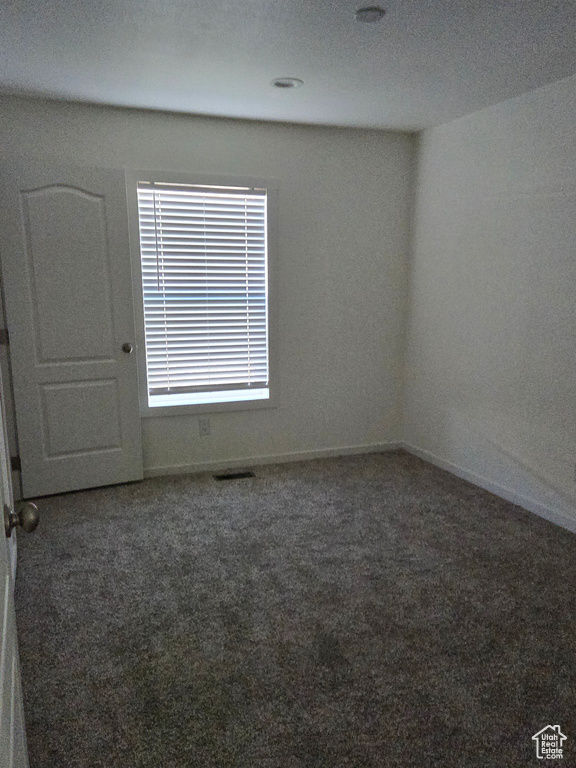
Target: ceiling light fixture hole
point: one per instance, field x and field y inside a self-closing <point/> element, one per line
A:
<point x="370" y="14"/>
<point x="287" y="82"/>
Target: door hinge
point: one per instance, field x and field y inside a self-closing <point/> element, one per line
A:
<point x="15" y="464"/>
<point x="4" y="337"/>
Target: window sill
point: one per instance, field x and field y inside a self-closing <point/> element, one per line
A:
<point x="242" y="400"/>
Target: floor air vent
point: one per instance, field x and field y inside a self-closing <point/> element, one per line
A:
<point x="234" y="476"/>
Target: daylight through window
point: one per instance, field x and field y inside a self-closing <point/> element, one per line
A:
<point x="205" y="288"/>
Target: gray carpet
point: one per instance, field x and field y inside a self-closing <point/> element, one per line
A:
<point x="364" y="611"/>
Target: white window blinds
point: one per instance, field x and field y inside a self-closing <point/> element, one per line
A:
<point x="204" y="278"/>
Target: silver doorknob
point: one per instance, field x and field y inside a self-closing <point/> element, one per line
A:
<point x="127" y="347"/>
<point x="27" y="517"/>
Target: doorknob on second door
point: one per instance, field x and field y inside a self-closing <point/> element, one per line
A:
<point x="27" y="517"/>
<point x="127" y="347"/>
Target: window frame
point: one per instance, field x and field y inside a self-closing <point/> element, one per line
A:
<point x="173" y="177"/>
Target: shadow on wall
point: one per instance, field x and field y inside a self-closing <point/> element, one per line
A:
<point x="523" y="462"/>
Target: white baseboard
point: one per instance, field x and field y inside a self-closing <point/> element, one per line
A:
<point x="279" y="458"/>
<point x="542" y="510"/>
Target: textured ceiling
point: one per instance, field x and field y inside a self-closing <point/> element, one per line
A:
<point x="426" y="62"/>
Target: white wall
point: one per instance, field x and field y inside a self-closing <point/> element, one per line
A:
<point x="490" y="364"/>
<point x="491" y="358"/>
<point x="344" y="205"/>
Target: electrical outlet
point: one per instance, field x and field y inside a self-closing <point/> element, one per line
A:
<point x="204" y="425"/>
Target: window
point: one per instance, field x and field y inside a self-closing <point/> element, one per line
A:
<point x="204" y="275"/>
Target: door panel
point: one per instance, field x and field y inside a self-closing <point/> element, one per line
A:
<point x="92" y="406"/>
<point x="66" y="270"/>
<point x="13" y="751"/>
<point x="70" y="223"/>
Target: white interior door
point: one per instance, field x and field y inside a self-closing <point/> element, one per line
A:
<point x="13" y="751"/>
<point x="67" y="282"/>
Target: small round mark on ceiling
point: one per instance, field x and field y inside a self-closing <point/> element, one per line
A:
<point x="286" y="82"/>
<point x="370" y="14"/>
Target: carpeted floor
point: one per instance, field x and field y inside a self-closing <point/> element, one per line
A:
<point x="363" y="611"/>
